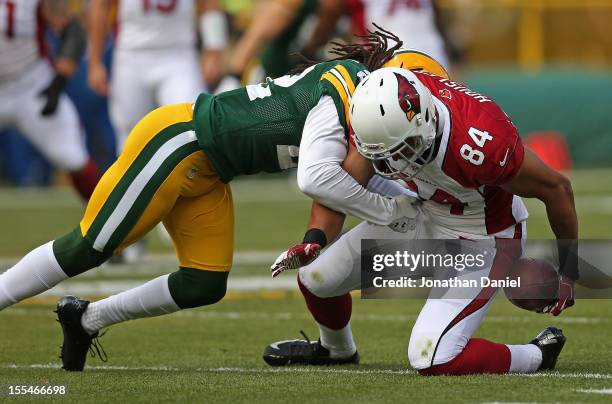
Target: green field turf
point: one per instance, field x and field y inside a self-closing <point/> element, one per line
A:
<point x="214" y="354"/>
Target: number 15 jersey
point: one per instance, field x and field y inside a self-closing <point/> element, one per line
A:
<point x="479" y="151"/>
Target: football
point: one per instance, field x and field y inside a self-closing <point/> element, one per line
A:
<point x="539" y="283"/>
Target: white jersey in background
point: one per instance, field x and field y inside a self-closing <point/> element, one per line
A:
<point x="413" y="21"/>
<point x="156" y="24"/>
<point x="24" y="73"/>
<point x="21" y="44"/>
<point x="155" y="62"/>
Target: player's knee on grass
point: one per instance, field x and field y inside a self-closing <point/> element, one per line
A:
<point x="75" y="254"/>
<point x="195" y="287"/>
<point x="427" y="349"/>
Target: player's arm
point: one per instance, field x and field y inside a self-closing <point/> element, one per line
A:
<point x="97" y="17"/>
<point x="328" y="13"/>
<point x="271" y="20"/>
<point x="535" y="179"/>
<point x="65" y="24"/>
<point x="335" y="179"/>
<point x="454" y="53"/>
<point x="327" y="220"/>
<point x="214" y="33"/>
<point x="331" y="221"/>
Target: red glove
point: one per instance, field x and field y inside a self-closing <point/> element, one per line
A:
<point x="566" y="296"/>
<point x="295" y="257"/>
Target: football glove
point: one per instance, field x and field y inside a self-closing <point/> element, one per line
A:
<point x="565" y="298"/>
<point x="52" y="93"/>
<point x="295" y="257"/>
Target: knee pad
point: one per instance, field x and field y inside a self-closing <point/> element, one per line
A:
<point x="76" y="254"/>
<point x="195" y="287"/>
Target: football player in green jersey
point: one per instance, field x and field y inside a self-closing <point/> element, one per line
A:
<point x="175" y="168"/>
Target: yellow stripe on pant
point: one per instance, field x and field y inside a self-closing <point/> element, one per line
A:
<point x="195" y="206"/>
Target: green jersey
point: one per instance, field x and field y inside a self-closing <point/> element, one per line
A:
<point x="258" y="128"/>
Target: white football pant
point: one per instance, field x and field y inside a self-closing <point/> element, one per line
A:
<point x="144" y="80"/>
<point x="443" y="326"/>
<point x="58" y="137"/>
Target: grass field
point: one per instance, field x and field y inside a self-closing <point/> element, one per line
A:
<point x="214" y="354"/>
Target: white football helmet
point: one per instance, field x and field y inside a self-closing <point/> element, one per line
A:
<point x="394" y="119"/>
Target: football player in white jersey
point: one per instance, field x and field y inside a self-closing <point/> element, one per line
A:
<point x="155" y="59"/>
<point x="31" y="88"/>
<point x="415" y="22"/>
<point x="463" y="158"/>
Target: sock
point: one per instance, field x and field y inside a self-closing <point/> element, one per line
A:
<point x="35" y="273"/>
<point x="332" y="312"/>
<point x="478" y="357"/>
<point x="340" y="343"/>
<point x="525" y="358"/>
<point x="86" y="179"/>
<point x="149" y="300"/>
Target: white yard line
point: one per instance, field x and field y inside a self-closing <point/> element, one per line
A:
<point x="310" y="369"/>
<point x="165" y="262"/>
<point x="595" y="391"/>
<point x="601" y="376"/>
<point x="221" y="369"/>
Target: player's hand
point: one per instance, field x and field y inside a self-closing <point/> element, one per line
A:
<point x="295" y="257"/>
<point x="211" y="66"/>
<point x="97" y="78"/>
<point x="566" y="296"/>
<point x="51" y="94"/>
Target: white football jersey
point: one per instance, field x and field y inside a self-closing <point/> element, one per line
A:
<point x="156" y="24"/>
<point x="21" y="36"/>
<point x="411" y="20"/>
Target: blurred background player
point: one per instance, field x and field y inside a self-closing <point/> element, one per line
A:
<point x="274" y="34"/>
<point x="416" y="22"/>
<point x="31" y="89"/>
<point x="155" y="59"/>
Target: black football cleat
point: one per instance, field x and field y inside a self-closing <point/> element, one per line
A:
<point x="77" y="342"/>
<point x="303" y="352"/>
<point x="550" y="341"/>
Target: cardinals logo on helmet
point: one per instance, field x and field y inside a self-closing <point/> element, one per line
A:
<point x="408" y="97"/>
